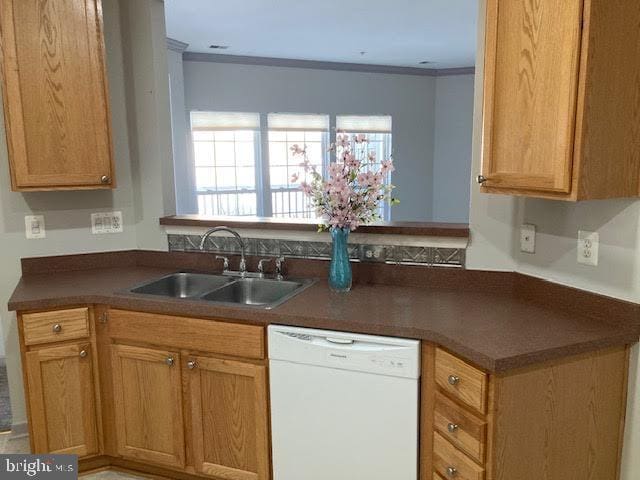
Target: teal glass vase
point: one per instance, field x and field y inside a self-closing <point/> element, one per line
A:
<point x="340" y="276"/>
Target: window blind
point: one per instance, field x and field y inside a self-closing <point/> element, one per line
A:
<point x="364" y="124"/>
<point x="225" y="121"/>
<point x="300" y="122"/>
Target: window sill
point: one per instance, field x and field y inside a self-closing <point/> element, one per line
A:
<point x="450" y="230"/>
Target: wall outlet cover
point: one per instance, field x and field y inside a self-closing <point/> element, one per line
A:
<point x="34" y="226"/>
<point x="588" y="243"/>
<point x="106" y="222"/>
<point x="528" y="238"/>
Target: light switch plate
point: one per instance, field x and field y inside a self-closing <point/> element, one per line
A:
<point x="588" y="243"/>
<point x="528" y="238"/>
<point x="106" y="222"/>
<point x="34" y="226"/>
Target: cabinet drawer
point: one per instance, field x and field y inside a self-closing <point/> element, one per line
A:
<point x="452" y="463"/>
<point x="55" y="326"/>
<point x="195" y="334"/>
<point x="461" y="428"/>
<point x="461" y="380"/>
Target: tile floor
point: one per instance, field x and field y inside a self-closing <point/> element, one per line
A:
<point x="20" y="444"/>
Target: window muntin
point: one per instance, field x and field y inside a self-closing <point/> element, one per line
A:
<point x="285" y="131"/>
<point x="225" y="149"/>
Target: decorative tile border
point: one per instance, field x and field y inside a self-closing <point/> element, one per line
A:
<point x="359" y="252"/>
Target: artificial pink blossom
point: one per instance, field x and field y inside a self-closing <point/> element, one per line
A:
<point x="361" y="138"/>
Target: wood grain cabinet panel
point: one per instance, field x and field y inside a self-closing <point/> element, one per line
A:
<point x="463" y="429"/>
<point x="460" y="380"/>
<point x="55" y="95"/>
<point x="561" y="102"/>
<point x="55" y="326"/>
<point x="451" y="463"/>
<point x="62" y="400"/>
<point x="147" y="391"/>
<point x="229" y="419"/>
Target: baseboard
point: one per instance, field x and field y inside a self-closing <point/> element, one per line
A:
<point x="20" y="429"/>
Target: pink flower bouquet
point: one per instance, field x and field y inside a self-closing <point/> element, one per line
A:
<point x="355" y="188"/>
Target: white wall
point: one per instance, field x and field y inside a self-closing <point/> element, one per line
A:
<point x="452" y="148"/>
<point x="409" y="99"/>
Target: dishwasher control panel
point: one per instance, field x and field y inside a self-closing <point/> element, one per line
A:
<point x="348" y="351"/>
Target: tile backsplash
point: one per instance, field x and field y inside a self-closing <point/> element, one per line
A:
<point x="358" y="252"/>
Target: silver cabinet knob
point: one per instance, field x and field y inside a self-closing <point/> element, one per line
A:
<point x="170" y="361"/>
<point x="452" y="427"/>
<point x="83" y="353"/>
<point x="191" y="364"/>
<point x="481" y="179"/>
<point x="452" y="471"/>
<point x="105" y="179"/>
<point x="57" y="328"/>
<point x="453" y="380"/>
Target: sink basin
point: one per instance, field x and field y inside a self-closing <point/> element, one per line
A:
<point x="247" y="291"/>
<point x="183" y="285"/>
<point x="257" y="292"/>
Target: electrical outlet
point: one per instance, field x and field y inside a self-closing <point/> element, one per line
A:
<point x="106" y="222"/>
<point x="373" y="253"/>
<point x="34" y="226"/>
<point x="528" y="238"/>
<point x="588" y="243"/>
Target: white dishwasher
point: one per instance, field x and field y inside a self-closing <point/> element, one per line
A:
<point x="343" y="406"/>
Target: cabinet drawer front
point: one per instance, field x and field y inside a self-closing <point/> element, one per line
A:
<point x="246" y="341"/>
<point x="46" y="327"/>
<point x="446" y="457"/>
<point x="461" y="428"/>
<point x="461" y="380"/>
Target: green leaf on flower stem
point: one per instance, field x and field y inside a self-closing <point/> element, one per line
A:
<point x="395" y="201"/>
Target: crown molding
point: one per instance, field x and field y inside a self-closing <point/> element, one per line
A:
<point x="317" y="65"/>
<point x="176" y="45"/>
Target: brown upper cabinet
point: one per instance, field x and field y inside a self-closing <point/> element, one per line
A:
<point x="562" y="99"/>
<point x="55" y="95"/>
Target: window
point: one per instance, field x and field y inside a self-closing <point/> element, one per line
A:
<point x="225" y="147"/>
<point x="234" y="178"/>
<point x="286" y="130"/>
<point x="377" y="129"/>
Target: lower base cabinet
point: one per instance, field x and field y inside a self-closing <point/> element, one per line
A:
<point x="229" y="415"/>
<point x="187" y="399"/>
<point x="147" y="395"/>
<point x="62" y="399"/>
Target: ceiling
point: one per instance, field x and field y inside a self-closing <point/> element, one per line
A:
<point x="390" y="32"/>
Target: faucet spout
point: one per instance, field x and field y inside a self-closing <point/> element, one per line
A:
<point x="243" y="262"/>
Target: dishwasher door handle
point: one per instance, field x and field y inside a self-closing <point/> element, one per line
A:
<point x="340" y="341"/>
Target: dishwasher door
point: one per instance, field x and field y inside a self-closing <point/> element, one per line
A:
<point x="343" y="406"/>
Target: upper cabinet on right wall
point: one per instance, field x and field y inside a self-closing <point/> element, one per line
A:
<point x="562" y="99"/>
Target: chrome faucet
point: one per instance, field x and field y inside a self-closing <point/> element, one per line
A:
<point x="243" y="262"/>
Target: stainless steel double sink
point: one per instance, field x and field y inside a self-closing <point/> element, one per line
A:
<point x="227" y="289"/>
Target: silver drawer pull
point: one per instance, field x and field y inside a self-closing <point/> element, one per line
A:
<point x="452" y="471"/>
<point x="83" y="353"/>
<point x="191" y="364"/>
<point x="453" y="380"/>
<point x="452" y="427"/>
<point x="57" y="328"/>
<point x="170" y="361"/>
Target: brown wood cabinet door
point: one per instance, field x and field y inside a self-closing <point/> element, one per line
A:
<point x="147" y="394"/>
<point x="55" y="94"/>
<point x="532" y="57"/>
<point x="229" y="415"/>
<point x="62" y="400"/>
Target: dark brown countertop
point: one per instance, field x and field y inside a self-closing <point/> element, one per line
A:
<point x="499" y="321"/>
